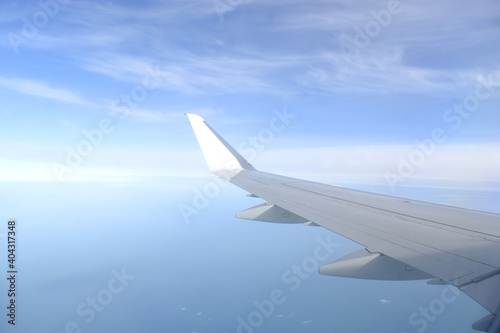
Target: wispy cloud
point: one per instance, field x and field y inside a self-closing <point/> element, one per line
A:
<point x="188" y="73"/>
<point x="299" y="50"/>
<point x="161" y="117"/>
<point x="383" y="73"/>
<point x="31" y="161"/>
<point x="450" y="164"/>
<point x="39" y="89"/>
<point x="386" y="65"/>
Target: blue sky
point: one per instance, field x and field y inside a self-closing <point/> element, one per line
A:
<point x="397" y="97"/>
<point x="235" y="65"/>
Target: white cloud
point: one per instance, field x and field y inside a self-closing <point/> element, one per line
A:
<point x="39" y="89"/>
<point x="189" y="73"/>
<point x="381" y="73"/>
<point x="149" y="116"/>
<point x="449" y="164"/>
<point x="162" y="117"/>
<point x="213" y="56"/>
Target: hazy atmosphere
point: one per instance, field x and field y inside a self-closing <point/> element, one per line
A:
<point x="120" y="227"/>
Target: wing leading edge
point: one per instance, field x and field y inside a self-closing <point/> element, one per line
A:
<point x="404" y="239"/>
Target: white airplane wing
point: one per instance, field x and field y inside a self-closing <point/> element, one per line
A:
<point x="404" y="239"/>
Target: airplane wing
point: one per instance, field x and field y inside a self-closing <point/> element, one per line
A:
<point x="404" y="239"/>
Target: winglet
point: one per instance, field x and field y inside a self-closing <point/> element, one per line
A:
<point x="222" y="159"/>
